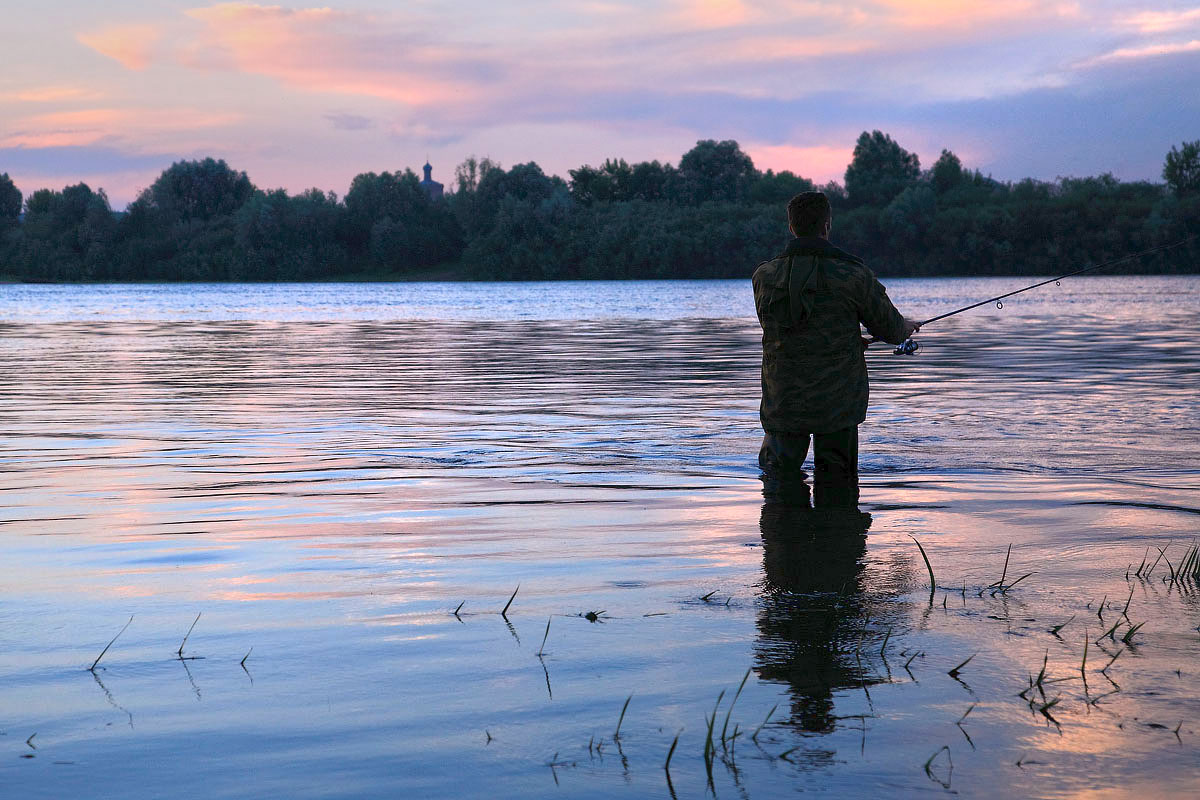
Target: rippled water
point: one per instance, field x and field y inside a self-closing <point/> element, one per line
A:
<point x="325" y="472"/>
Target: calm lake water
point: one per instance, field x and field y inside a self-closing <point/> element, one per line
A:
<point x="326" y="472"/>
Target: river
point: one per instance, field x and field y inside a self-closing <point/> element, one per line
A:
<point x="325" y="473"/>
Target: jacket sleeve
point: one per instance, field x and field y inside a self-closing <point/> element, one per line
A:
<point x="879" y="315"/>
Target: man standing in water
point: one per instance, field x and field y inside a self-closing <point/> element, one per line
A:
<point x="810" y="302"/>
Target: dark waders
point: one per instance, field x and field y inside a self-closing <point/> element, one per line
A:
<point x="835" y="467"/>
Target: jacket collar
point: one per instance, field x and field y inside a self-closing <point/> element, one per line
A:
<point x="816" y="246"/>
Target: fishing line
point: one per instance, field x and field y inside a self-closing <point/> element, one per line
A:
<point x="909" y="346"/>
<point x="999" y="298"/>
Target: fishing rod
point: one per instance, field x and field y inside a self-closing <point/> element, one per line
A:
<point x="910" y="346"/>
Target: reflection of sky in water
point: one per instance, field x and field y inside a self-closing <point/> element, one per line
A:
<point x="1113" y="298"/>
<point x="326" y="492"/>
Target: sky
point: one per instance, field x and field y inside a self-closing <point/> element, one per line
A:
<point x="304" y="96"/>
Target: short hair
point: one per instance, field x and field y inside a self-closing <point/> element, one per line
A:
<point x="808" y="212"/>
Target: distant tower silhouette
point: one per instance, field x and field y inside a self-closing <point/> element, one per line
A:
<point x="431" y="187"/>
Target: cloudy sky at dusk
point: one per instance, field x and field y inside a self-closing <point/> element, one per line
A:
<point x="299" y="96"/>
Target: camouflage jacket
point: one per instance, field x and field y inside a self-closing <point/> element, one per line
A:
<point x="810" y="301"/>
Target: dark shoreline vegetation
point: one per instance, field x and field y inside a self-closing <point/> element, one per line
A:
<point x="712" y="216"/>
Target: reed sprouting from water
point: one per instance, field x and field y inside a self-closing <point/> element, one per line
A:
<point x="1189" y="568"/>
<point x="954" y="672"/>
<point x="504" y="611"/>
<point x="620" y="719"/>
<point x="671" y="752"/>
<point x="729" y="712"/>
<point x="179" y="652"/>
<point x="92" y="668"/>
<point x="928" y="566"/>
<point x="710" y="748"/>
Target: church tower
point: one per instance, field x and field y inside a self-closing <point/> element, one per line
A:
<point x="431" y="187"/>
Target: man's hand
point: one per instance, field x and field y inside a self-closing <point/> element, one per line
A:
<point x="911" y="326"/>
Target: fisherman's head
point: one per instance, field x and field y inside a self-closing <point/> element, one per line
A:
<point x="809" y="214"/>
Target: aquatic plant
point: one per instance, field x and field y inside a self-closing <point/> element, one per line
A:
<point x="504" y="611"/>
<point x="179" y="652"/>
<point x="928" y="566"/>
<point x="92" y="668"/>
<point x="620" y="719"/>
<point x="954" y="672"/>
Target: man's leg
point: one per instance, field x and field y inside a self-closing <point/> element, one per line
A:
<point x="783" y="452"/>
<point x="781" y="459"/>
<point x="835" y="472"/>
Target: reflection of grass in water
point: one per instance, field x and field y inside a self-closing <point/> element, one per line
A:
<point x="766" y="719"/>
<point x="929" y="766"/>
<point x="719" y="743"/>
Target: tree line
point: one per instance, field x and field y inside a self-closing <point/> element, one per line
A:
<point x="714" y="215"/>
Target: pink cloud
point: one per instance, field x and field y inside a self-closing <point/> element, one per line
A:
<point x="775" y="47"/>
<point x="89" y="126"/>
<point x="131" y="45"/>
<point x="710" y="13"/>
<point x="1146" y="51"/>
<point x="53" y="94"/>
<point x="1163" y="21"/>
<point x="959" y="13"/>
<point x="323" y="50"/>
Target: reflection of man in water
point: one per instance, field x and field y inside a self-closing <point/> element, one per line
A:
<point x="812" y="611"/>
<point x="810" y="302"/>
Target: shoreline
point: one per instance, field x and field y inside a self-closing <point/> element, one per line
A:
<point x="457" y="275"/>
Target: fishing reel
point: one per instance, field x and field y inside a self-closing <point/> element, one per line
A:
<point x="906" y="348"/>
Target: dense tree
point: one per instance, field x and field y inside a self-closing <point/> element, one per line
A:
<point x="617" y="181"/>
<point x="613" y="181"/>
<point x="198" y="190"/>
<point x="717" y="171"/>
<point x="390" y="219"/>
<point x="879" y="170"/>
<point x="778" y="187"/>
<point x="283" y="237"/>
<point x="713" y="216"/>
<point x="468" y="174"/>
<point x="946" y="173"/>
<point x="653" y="181"/>
<point x="524" y="182"/>
<point x="1181" y="170"/>
<point x="66" y="234"/>
<point x="10" y="201"/>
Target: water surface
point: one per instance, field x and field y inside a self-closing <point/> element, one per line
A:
<point x="325" y="473"/>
